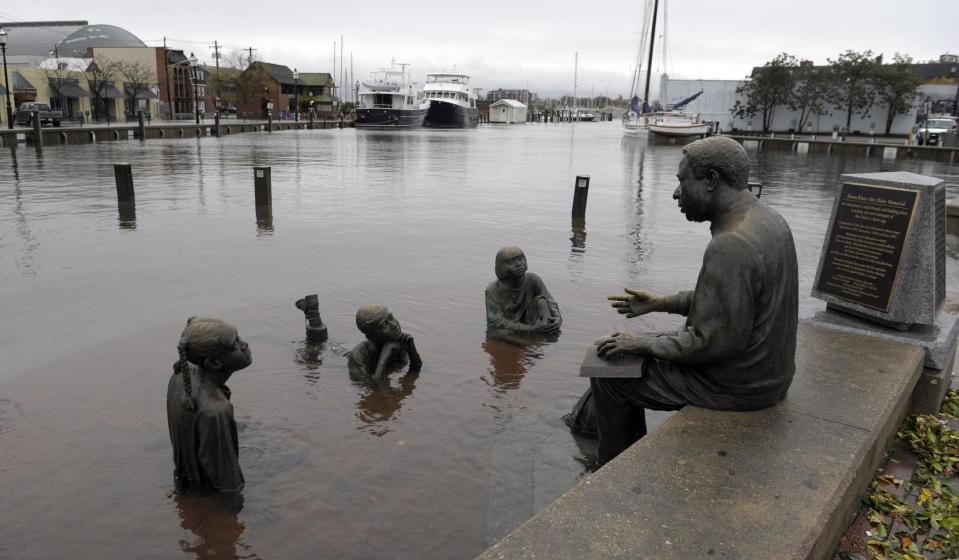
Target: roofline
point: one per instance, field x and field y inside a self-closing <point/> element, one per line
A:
<point x="9" y="24"/>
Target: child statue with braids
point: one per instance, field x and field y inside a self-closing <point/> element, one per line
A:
<point x="199" y="412"/>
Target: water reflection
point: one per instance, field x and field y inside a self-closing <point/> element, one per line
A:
<point x="15" y="162"/>
<point x="510" y="358"/>
<point x="310" y="355"/>
<point x="212" y="518"/>
<point x="264" y="219"/>
<point x="381" y="401"/>
<point x="29" y="241"/>
<point x="578" y="239"/>
<point x="633" y="174"/>
<point x="127" y="214"/>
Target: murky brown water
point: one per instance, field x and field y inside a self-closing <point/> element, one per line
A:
<point x="439" y="467"/>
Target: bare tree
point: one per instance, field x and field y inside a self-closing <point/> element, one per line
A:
<point x="56" y="74"/>
<point x="139" y="78"/>
<point x="251" y="85"/>
<point x="102" y="72"/>
<point x="238" y="59"/>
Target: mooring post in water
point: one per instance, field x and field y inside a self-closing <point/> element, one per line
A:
<point x="269" y="121"/>
<point x="263" y="185"/>
<point x="141" y="128"/>
<point x="216" y="124"/>
<point x="580" y="193"/>
<point x="37" y="134"/>
<point x="312" y="118"/>
<point x="123" y="173"/>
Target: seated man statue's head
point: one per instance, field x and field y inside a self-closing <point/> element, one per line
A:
<point x="712" y="170"/>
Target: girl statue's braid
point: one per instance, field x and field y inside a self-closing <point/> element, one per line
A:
<point x="182" y="366"/>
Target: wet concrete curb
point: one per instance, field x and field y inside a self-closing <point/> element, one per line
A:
<point x="783" y="482"/>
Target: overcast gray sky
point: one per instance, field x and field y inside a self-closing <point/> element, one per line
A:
<point x="512" y="44"/>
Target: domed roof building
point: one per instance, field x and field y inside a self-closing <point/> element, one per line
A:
<point x="97" y="36"/>
<point x="30" y="42"/>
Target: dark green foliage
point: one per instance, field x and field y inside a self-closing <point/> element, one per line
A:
<point x="769" y="87"/>
<point x="897" y="85"/>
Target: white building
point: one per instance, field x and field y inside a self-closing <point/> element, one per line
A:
<point x="719" y="96"/>
<point x="507" y="111"/>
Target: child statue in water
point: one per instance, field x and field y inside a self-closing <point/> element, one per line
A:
<point x="385" y="349"/>
<point x="518" y="301"/>
<point x="199" y="413"/>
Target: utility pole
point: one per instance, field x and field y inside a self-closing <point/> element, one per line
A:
<point x="216" y="56"/>
<point x="342" y="70"/>
<point x="335" y="76"/>
<point x="353" y="97"/>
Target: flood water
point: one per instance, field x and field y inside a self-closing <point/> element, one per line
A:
<point x="440" y="465"/>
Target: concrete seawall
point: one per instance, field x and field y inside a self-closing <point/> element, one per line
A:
<point x="884" y="150"/>
<point x="93" y="134"/>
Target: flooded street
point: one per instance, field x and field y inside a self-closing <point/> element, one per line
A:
<point x="442" y="464"/>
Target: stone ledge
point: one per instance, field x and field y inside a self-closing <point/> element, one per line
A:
<point x="782" y="482"/>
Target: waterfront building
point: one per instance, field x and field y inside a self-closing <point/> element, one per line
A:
<point x="937" y="93"/>
<point x="507" y="111"/>
<point x="264" y="83"/>
<point x="50" y="62"/>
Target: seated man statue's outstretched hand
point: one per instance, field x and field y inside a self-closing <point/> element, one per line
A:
<point x="636" y="303"/>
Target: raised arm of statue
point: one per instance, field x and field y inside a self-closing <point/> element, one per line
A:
<point x="640" y="302"/>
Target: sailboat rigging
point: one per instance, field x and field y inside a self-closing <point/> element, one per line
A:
<point x="672" y="123"/>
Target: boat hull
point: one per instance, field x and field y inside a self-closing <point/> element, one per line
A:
<point x="449" y="115"/>
<point x="679" y="131"/>
<point x="390" y="118"/>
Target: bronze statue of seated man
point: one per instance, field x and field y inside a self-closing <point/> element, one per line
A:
<point x="386" y="348"/>
<point x="736" y="350"/>
<point x="199" y="413"/>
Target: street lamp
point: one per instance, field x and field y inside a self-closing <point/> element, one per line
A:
<point x="6" y="78"/>
<point x="296" y="96"/>
<point x="196" y="102"/>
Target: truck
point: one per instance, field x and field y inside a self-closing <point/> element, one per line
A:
<point x="936" y="129"/>
<point x="25" y="114"/>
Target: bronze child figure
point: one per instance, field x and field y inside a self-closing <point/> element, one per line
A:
<point x="517" y="302"/>
<point x="386" y="347"/>
<point x="199" y="413"/>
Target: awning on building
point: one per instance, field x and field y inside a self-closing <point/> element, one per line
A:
<point x="142" y="94"/>
<point x="109" y="91"/>
<point x="20" y="83"/>
<point x="69" y="88"/>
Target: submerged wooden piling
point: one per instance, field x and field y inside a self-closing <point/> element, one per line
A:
<point x="123" y="173"/>
<point x="37" y="132"/>
<point x="263" y="185"/>
<point x="141" y="127"/>
<point x="580" y="194"/>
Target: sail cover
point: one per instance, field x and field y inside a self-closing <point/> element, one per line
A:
<point x="686" y="101"/>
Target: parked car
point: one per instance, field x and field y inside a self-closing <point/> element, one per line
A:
<point x="931" y="132"/>
<point x="228" y="110"/>
<point x="25" y="114"/>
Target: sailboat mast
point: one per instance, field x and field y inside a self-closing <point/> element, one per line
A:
<point x="649" y="64"/>
<point x="575" y="70"/>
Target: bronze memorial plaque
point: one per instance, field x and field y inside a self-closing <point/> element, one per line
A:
<point x="865" y="246"/>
